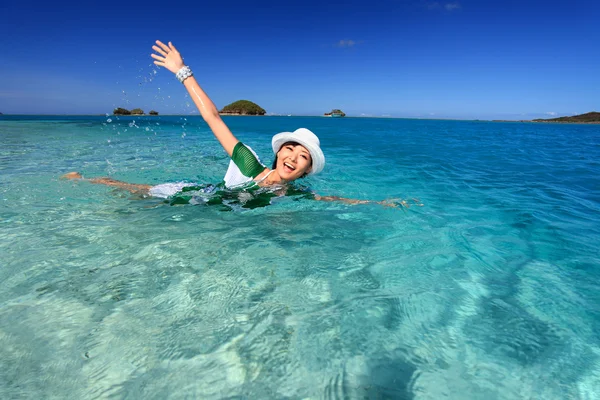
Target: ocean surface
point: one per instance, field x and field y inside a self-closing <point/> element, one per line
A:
<point x="489" y="290"/>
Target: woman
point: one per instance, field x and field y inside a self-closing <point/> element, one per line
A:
<point x="297" y="153"/>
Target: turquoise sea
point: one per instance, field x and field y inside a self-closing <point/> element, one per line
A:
<point x="489" y="290"/>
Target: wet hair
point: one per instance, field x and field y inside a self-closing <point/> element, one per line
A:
<point x="293" y="144"/>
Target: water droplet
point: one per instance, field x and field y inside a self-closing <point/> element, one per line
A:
<point x="108" y="140"/>
<point x="109" y="120"/>
<point x="183" y="135"/>
<point x="147" y="129"/>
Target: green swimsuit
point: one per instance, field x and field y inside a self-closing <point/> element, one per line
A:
<point x="238" y="187"/>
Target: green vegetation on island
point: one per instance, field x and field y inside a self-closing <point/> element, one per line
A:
<point x="135" y="111"/>
<point x="121" y="111"/>
<point x="588" y="118"/>
<point x="335" y="113"/>
<point x="242" y="107"/>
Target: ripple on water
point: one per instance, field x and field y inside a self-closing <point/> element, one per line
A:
<point x="489" y="289"/>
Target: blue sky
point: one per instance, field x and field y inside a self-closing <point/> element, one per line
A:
<point x="463" y="59"/>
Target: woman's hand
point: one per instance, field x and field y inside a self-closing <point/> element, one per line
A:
<point x="167" y="56"/>
<point x="400" y="203"/>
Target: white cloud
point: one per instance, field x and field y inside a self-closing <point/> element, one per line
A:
<point x="551" y="113"/>
<point x="446" y="6"/>
<point x="345" y="43"/>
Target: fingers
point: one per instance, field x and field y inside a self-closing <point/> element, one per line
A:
<point x="159" y="51"/>
<point x="160" y="61"/>
<point x="164" y="54"/>
<point x="72" y="175"/>
<point x="163" y="46"/>
<point x="166" y="48"/>
<point x="158" y="58"/>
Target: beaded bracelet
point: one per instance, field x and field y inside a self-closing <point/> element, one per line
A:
<point x="184" y="73"/>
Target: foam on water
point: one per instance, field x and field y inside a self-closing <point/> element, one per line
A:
<point x="489" y="290"/>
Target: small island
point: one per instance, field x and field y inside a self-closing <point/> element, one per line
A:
<point x="588" y="118"/>
<point x="242" y="107"/>
<point x="335" y="113"/>
<point x="135" y="111"/>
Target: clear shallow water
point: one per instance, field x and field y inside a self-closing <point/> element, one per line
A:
<point x="490" y="290"/>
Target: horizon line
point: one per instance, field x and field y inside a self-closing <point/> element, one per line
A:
<point x="272" y="115"/>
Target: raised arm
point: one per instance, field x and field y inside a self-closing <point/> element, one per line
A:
<point x="168" y="57"/>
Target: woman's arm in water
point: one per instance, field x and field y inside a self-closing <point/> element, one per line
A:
<point x="385" y="203"/>
<point x="341" y="199"/>
<point x="168" y="57"/>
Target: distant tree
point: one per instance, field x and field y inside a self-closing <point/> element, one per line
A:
<point x="243" y="107"/>
<point x="137" y="111"/>
<point x="152" y="112"/>
<point x="335" y="111"/>
<point x="121" y="111"/>
<point x="587" y="117"/>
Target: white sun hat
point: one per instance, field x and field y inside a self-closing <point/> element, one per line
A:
<point x="307" y="139"/>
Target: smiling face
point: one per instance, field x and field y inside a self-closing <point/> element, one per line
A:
<point x="293" y="161"/>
